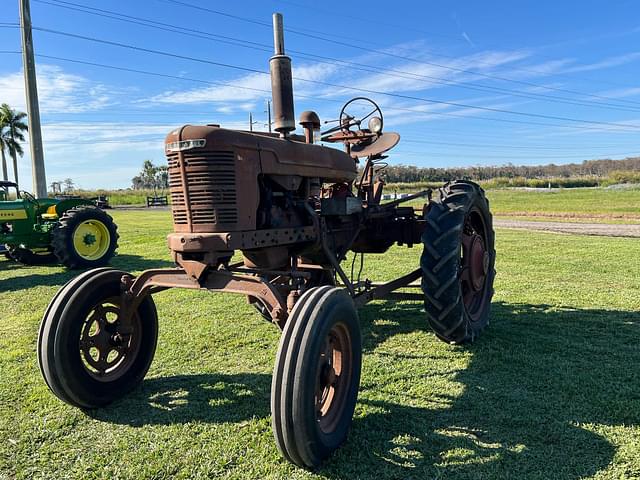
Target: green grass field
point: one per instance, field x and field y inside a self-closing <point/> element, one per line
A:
<point x="567" y="202"/>
<point x="601" y="205"/>
<point x="551" y="389"/>
<point x="574" y="202"/>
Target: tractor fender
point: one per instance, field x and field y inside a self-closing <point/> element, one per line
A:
<point x="66" y="204"/>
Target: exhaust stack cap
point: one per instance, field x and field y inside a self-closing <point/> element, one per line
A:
<point x="281" y="81"/>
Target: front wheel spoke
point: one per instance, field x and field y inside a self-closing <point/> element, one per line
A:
<point x="99" y="316"/>
<point x="102" y="363"/>
<point x="336" y="364"/>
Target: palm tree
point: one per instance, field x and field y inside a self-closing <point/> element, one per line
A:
<point x="3" y="147"/>
<point x="14" y="126"/>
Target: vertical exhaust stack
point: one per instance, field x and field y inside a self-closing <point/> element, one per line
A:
<point x="281" y="82"/>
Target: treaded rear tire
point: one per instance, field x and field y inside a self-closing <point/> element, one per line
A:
<point x="446" y="218"/>
<point x="62" y="237"/>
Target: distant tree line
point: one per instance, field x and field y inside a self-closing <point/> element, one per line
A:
<point x="592" y="168"/>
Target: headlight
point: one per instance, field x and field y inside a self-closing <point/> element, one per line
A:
<point x="375" y="124"/>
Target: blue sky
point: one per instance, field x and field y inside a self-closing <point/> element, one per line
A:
<point x="572" y="60"/>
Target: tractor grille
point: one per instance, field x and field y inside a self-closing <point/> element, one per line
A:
<point x="210" y="190"/>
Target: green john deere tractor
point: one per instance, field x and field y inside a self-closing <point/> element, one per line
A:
<point x="39" y="231"/>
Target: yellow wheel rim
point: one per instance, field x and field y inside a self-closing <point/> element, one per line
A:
<point x="91" y="239"/>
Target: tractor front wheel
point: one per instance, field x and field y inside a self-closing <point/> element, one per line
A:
<point x="88" y="355"/>
<point x="316" y="376"/>
<point x="458" y="262"/>
<point x="84" y="237"/>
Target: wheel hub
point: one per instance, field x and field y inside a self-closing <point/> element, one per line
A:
<point x="89" y="239"/>
<point x="333" y="373"/>
<point x="479" y="263"/>
<point x="103" y="347"/>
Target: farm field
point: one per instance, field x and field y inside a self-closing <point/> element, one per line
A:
<point x="550" y="390"/>
<point x="570" y="203"/>
<point x="590" y="205"/>
<point x="565" y="204"/>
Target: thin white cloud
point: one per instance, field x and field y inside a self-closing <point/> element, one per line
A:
<point x="438" y="74"/>
<point x="622" y="92"/>
<point x="250" y="87"/>
<point x="58" y="91"/>
<point x="468" y="39"/>
<point x="610" y="62"/>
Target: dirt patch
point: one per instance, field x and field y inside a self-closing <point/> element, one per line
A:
<point x="613" y="216"/>
<point x="599" y="229"/>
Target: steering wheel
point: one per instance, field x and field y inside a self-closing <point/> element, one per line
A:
<point x="29" y="197"/>
<point x="347" y="120"/>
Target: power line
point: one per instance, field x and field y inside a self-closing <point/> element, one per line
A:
<point x="427" y="79"/>
<point x="499" y="146"/>
<point x="155" y="24"/>
<point x="316" y="98"/>
<point x="149" y="50"/>
<point x="406" y="27"/>
<point x="402" y="57"/>
<point x="333" y="85"/>
<point x="121" y="141"/>
<point x="397" y="153"/>
<point x="514" y="157"/>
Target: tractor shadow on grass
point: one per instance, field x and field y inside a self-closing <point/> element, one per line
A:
<point x="52" y="275"/>
<point x="210" y="398"/>
<point x="521" y="408"/>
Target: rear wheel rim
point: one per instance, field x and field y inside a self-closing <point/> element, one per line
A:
<point x="333" y="378"/>
<point x="107" y="349"/>
<point x="475" y="264"/>
<point x="91" y="239"/>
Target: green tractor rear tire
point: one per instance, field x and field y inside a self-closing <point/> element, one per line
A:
<point x="85" y="237"/>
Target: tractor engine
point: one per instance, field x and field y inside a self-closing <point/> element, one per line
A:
<point x="277" y="196"/>
<point x="246" y="190"/>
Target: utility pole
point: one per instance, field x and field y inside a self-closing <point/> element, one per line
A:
<point x="252" y="122"/>
<point x="33" y="110"/>
<point x="268" y="112"/>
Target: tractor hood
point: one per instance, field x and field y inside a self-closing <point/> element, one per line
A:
<point x="12" y="210"/>
<point x="276" y="156"/>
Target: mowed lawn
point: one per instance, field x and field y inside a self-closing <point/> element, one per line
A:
<point x="550" y="390"/>
<point x="569" y="202"/>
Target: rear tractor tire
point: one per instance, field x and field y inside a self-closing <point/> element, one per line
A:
<point x="316" y="376"/>
<point x="85" y="237"/>
<point x="86" y="355"/>
<point x="458" y="262"/>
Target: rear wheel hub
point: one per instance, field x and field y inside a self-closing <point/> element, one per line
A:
<point x="91" y="239"/>
<point x="479" y="263"/>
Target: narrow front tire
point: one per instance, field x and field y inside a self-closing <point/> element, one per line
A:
<point x="87" y="355"/>
<point x="316" y="376"/>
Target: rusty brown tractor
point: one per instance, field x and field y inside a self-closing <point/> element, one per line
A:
<point x="274" y="217"/>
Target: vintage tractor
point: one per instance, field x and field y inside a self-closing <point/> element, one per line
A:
<point x="294" y="210"/>
<point x="40" y="231"/>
